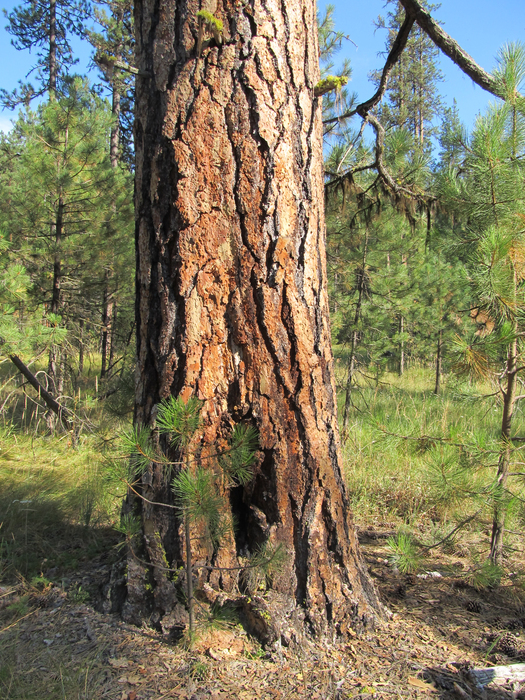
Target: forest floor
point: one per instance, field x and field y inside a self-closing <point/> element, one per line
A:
<point x="57" y="646"/>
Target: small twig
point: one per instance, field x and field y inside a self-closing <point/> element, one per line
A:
<point x="152" y="503"/>
<point x="458" y="527"/>
<point x="17" y="621"/>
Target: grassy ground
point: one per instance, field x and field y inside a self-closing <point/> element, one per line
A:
<point x="55" y="510"/>
<point x="416" y="465"/>
<point x="429" y="462"/>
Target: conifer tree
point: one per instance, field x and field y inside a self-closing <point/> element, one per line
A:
<point x="489" y="198"/>
<point x="45" y="25"/>
<point x="413" y="101"/>
<point x="114" y="56"/>
<point x="57" y="204"/>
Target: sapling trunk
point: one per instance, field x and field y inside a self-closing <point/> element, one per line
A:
<point x="107" y="323"/>
<point x="439" y="360"/>
<point x="52" y="50"/>
<point x="81" y="347"/>
<point x="509" y="399"/>
<point x="401" y="347"/>
<point x="189" y="572"/>
<point x="355" y="337"/>
<point x="189" y="577"/>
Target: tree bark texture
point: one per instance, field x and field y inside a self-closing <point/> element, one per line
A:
<point x="231" y="291"/>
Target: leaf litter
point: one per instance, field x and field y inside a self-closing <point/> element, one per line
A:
<point x="439" y="631"/>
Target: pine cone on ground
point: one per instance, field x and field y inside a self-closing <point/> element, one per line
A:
<point x="474" y="606"/>
<point x="510" y="645"/>
<point x="515" y="623"/>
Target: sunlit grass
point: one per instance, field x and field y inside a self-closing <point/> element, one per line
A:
<point x="413" y="457"/>
<point x="55" y="509"/>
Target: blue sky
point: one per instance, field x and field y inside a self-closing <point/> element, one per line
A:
<point x="480" y="26"/>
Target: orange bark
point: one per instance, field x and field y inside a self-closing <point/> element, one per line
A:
<point x="231" y="282"/>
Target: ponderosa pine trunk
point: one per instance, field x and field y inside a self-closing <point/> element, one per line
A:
<point x="231" y="295"/>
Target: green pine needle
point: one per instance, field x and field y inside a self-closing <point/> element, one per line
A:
<point x="179" y="420"/>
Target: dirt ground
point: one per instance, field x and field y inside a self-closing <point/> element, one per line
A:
<point x="439" y="631"/>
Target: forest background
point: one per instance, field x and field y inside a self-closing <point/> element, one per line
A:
<point x="428" y="355"/>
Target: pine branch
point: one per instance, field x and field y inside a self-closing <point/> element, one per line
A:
<point x="453" y="532"/>
<point x="450" y="47"/>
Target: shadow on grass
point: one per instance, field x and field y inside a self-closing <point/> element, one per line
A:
<point x="51" y="522"/>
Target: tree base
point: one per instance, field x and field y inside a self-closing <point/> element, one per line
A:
<point x="276" y="619"/>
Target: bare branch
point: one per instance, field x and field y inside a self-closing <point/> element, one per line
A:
<point x="450" y="47"/>
<point x="395" y="52"/>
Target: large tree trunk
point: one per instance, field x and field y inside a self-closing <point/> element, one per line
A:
<point x="231" y="293"/>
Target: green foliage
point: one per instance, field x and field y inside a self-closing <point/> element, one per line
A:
<point x="20" y="608"/>
<point x="197" y="486"/>
<point x="115" y="43"/>
<point x="40" y="582"/>
<point x="413" y="100"/>
<point x="129" y="526"/>
<point x="77" y="595"/>
<point x="138" y="445"/>
<point x="264" y="565"/>
<point x="331" y="82"/>
<point x="485" y="575"/>
<point x="31" y="26"/>
<point x="221" y="617"/>
<point x="67" y="214"/>
<point x="179" y="420"/>
<point x="237" y="460"/>
<point x="404" y="553"/>
<point x="337" y="100"/>
<point x="197" y="497"/>
<point x="209" y="23"/>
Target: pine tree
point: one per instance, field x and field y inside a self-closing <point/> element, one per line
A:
<point x="413" y="101"/>
<point x="45" y="25"/>
<point x="114" y="56"/>
<point x="114" y="51"/>
<point x="489" y="198"/>
<point x="57" y="205"/>
<point x="232" y="304"/>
